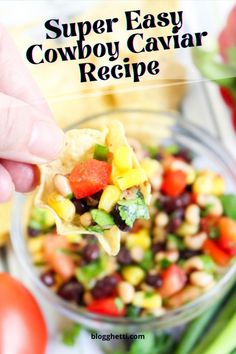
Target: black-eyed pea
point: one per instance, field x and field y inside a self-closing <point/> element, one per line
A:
<point x="189" y="293"/>
<point x="62" y="185"/>
<point x="156" y="311"/>
<point x="172" y="256"/>
<point x="137" y="253"/>
<point x="192" y="214"/>
<point x="193" y="263"/>
<point x="126" y="292"/>
<point x="162" y="219"/>
<point x="86" y="219"/>
<point x="195" y="242"/>
<point x="156" y="182"/>
<point x="201" y="278"/>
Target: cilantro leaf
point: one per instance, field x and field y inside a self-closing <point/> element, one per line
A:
<point x="132" y="209"/>
<point x="70" y="335"/>
<point x="102" y="218"/>
<point x="229" y="205"/>
<point x="165" y="263"/>
<point x="147" y="261"/>
<point x="95" y="228"/>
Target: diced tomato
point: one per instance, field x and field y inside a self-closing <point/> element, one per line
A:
<point x="89" y="177"/>
<point x="219" y="256"/>
<point x="174" y="279"/>
<point x="62" y="263"/>
<point x="106" y="307"/>
<point x="227" y="239"/>
<point x="174" y="183"/>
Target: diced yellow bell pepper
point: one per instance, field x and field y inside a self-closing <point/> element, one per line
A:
<point x="123" y="158"/>
<point x="186" y="229"/>
<point x="147" y="300"/>
<point x="203" y="184"/>
<point x="131" y="178"/>
<point x="140" y="239"/>
<point x="133" y="274"/>
<point x="35" y="244"/>
<point x="151" y="167"/>
<point x="109" y="198"/>
<point x="64" y="208"/>
<point x="218" y="185"/>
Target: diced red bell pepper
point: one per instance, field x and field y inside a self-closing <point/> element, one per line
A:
<point x="174" y="279"/>
<point x="227" y="97"/>
<point x="107" y="307"/>
<point x="174" y="183"/>
<point x="227" y="239"/>
<point x="219" y="256"/>
<point x="89" y="177"/>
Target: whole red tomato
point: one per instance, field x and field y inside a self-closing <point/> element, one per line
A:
<point x="22" y="327"/>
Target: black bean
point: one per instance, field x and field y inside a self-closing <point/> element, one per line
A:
<point x="158" y="247"/>
<point x="154" y="280"/>
<point x="184" y="154"/>
<point x="173" y="225"/>
<point x="118" y="221"/>
<point x="81" y="206"/>
<point x="187" y="253"/>
<point x="72" y="290"/>
<point x="124" y="257"/>
<point x="90" y="252"/>
<point x="104" y="287"/>
<point x="178" y="214"/>
<point x="48" y="278"/>
<point x="33" y="232"/>
<point x="185" y="199"/>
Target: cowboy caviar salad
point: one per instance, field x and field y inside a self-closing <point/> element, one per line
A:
<point x="164" y="262"/>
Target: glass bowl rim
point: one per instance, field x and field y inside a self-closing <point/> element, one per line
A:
<point x="76" y="311"/>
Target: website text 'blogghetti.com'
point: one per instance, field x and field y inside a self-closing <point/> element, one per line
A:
<point x="111" y="336"/>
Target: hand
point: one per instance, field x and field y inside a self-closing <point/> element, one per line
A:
<point x="28" y="135"/>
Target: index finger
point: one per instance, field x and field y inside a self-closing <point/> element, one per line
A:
<point x="15" y="78"/>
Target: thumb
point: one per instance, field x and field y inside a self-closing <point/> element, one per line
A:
<point x="25" y="134"/>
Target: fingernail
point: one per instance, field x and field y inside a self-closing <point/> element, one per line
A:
<point x="46" y="140"/>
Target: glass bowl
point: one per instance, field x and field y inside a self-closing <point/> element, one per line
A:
<point x="150" y="127"/>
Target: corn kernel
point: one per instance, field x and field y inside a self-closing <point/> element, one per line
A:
<point x="49" y="219"/>
<point x="64" y="208"/>
<point x="109" y="198"/>
<point x="133" y="274"/>
<point x="218" y="185"/>
<point x="140" y="239"/>
<point x="151" y="167"/>
<point x="187" y="229"/>
<point x="73" y="238"/>
<point x="147" y="300"/>
<point x="123" y="158"/>
<point x="38" y="257"/>
<point x="203" y="184"/>
<point x="36" y="244"/>
<point x="131" y="178"/>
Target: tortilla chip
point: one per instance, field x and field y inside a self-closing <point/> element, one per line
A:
<point x="79" y="146"/>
